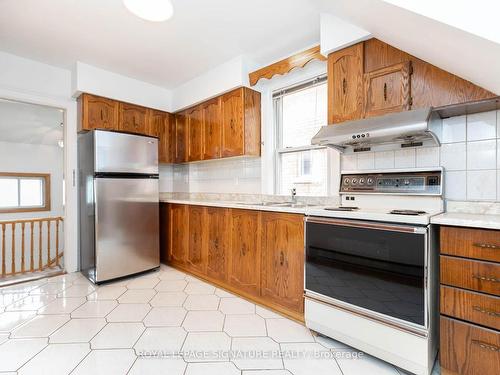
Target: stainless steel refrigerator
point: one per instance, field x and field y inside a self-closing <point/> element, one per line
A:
<point x="119" y="204"/>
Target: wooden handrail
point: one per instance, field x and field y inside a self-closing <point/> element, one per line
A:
<point x="44" y="231"/>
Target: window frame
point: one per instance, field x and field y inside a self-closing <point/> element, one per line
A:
<point x="45" y="192"/>
<point x="277" y="97"/>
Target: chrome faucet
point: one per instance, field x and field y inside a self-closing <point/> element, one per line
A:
<point x="294" y="195"/>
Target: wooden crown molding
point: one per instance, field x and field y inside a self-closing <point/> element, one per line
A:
<point x="299" y="60"/>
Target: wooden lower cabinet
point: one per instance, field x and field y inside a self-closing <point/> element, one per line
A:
<point x="178" y="229"/>
<point x="283" y="259"/>
<point x="196" y="257"/>
<point x="245" y="251"/>
<point x="467" y="349"/>
<point x="217" y="243"/>
<point x="257" y="254"/>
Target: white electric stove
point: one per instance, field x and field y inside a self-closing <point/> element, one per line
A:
<point x="371" y="276"/>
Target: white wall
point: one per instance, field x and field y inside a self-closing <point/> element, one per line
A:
<point x="335" y="34"/>
<point x="469" y="154"/>
<point x="89" y="79"/>
<point x="34" y="82"/>
<point x="223" y="78"/>
<point x="33" y="158"/>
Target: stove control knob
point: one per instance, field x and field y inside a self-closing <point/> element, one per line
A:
<point x="346" y="181"/>
<point x="361" y="181"/>
<point x="369" y="181"/>
<point x="406" y="182"/>
<point x="354" y="181"/>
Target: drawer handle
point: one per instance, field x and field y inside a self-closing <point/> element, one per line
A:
<point x="385" y="91"/>
<point x="487" y="246"/>
<point x="485" y="311"/>
<point x="486" y="278"/>
<point x="485" y="345"/>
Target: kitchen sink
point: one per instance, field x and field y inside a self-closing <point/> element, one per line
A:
<point x="276" y="204"/>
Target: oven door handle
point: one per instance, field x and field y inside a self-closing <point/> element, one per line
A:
<point x="367" y="225"/>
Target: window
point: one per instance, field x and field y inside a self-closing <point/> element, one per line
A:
<point x="23" y="192"/>
<point x="300" y="111"/>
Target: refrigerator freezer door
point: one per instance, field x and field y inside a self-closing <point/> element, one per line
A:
<point x="125" y="153"/>
<point x="127" y="226"/>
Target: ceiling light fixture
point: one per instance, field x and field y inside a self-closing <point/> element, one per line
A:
<point x="150" y="10"/>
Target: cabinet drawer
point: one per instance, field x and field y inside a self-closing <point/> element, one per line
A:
<point x="471" y="243"/>
<point x="471" y="306"/>
<point x="471" y="274"/>
<point x="469" y="350"/>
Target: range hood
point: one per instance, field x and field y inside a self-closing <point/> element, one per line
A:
<point x="388" y="132"/>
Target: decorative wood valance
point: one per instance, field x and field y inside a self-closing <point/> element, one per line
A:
<point x="299" y="60"/>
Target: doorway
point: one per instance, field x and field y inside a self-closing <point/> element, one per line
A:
<point x="32" y="191"/>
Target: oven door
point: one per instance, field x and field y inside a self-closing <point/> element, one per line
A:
<point x="375" y="269"/>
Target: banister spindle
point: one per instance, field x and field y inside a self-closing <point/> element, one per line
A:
<point x="48" y="243"/>
<point x="40" y="245"/>
<point x="32" y="264"/>
<point x="3" y="249"/>
<point x="57" y="241"/>
<point x="22" y="247"/>
<point x="13" y="260"/>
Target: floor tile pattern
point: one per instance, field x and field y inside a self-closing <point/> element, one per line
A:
<point x="162" y="322"/>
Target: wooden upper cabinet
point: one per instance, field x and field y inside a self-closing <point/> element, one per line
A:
<point x="195" y="133"/>
<point x="196" y="258"/>
<point x="133" y="118"/>
<point x="217" y="242"/>
<point x="212" y="129"/>
<point x="282" y="278"/>
<point x="245" y="255"/>
<point x="388" y="90"/>
<point x="240" y="111"/>
<point x="155" y="122"/>
<point x="166" y="139"/>
<point x="345" y="84"/>
<point x="181" y="134"/>
<point x="96" y="112"/>
<point x="178" y="241"/>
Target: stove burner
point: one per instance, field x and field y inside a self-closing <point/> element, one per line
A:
<point x="407" y="212"/>
<point x="345" y="208"/>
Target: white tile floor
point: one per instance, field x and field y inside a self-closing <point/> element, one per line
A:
<point x="163" y="322"/>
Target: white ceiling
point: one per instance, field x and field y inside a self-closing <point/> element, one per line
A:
<point x="202" y="34"/>
<point x="30" y="123"/>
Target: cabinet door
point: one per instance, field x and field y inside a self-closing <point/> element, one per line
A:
<point x="180" y="137"/>
<point x="155" y="122"/>
<point x="345" y="84"/>
<point x="97" y="113"/>
<point x="212" y="129"/>
<point x="178" y="233"/>
<point x="233" y="131"/>
<point x="388" y="90"/>
<point x="217" y="242"/>
<point x="166" y="141"/>
<point x="195" y="133"/>
<point x="283" y="259"/>
<point x="196" y="258"/>
<point x="133" y="118"/>
<point x="244" y="260"/>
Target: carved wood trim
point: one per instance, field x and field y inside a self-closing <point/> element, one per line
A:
<point x="299" y="60"/>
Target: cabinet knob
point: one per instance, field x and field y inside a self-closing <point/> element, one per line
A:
<point x="344" y="86"/>
<point x="385" y="91"/>
<point x="282" y="258"/>
<point x="102" y="117"/>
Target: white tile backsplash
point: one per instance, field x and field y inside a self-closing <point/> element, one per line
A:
<point x="453" y="156"/>
<point x="427" y="157"/>
<point x="455" y="185"/>
<point x="454" y="129"/>
<point x="384" y="160"/>
<point x="481" y="155"/>
<point x="405" y="158"/>
<point x="482" y="185"/>
<point x="482" y="126"/>
<point x="366" y="160"/>
<point x="469" y="154"/>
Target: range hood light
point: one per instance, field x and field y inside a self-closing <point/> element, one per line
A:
<point x="150" y="10"/>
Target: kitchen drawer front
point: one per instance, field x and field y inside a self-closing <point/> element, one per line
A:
<point x="469" y="350"/>
<point x="471" y="243"/>
<point x="471" y="306"/>
<point x="471" y="274"/>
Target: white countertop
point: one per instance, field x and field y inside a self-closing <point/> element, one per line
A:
<point x="459" y="219"/>
<point x="240" y="205"/>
